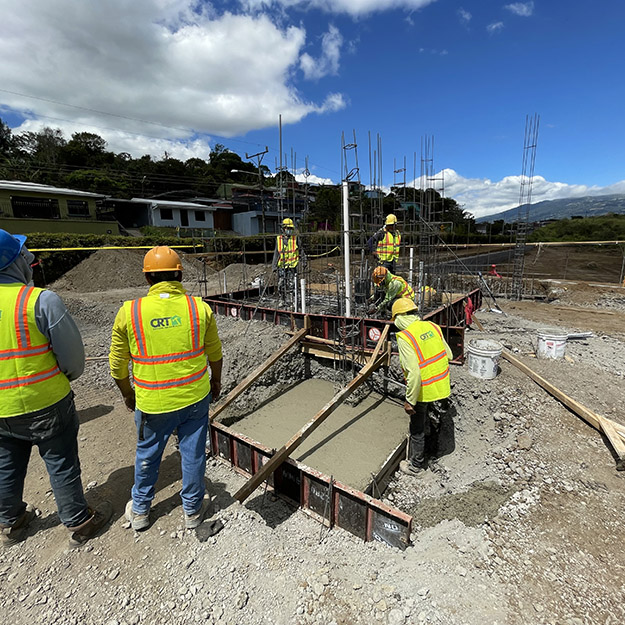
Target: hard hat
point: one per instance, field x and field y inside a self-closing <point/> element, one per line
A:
<point x="288" y="223"/>
<point x="10" y="247"/>
<point x="390" y="220"/>
<point x="402" y="306"/>
<point x="161" y="258"/>
<point x="379" y="274"/>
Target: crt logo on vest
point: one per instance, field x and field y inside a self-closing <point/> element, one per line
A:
<point x="166" y="322"/>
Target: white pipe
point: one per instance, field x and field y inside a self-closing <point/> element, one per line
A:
<point x="225" y="286"/>
<point x="346" y="246"/>
<point x="295" y="293"/>
<point x="410" y="276"/>
<point x="302" y="283"/>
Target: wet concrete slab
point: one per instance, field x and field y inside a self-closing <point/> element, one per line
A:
<point x="352" y="444"/>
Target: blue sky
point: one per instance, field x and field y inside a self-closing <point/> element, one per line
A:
<point x="180" y="75"/>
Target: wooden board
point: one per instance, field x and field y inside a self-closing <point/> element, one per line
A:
<point x="607" y="426"/>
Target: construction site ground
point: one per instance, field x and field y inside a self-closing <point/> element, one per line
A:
<point x="518" y="521"/>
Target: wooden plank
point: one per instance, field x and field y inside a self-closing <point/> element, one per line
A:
<point x="252" y="377"/>
<point x="597" y="421"/>
<point x="585" y="310"/>
<point x="478" y="323"/>
<point x="299" y="437"/>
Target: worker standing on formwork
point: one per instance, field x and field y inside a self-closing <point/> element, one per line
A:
<point x="286" y="259"/>
<point x="385" y="244"/>
<point x="424" y="356"/>
<point x="41" y="350"/>
<point x="393" y="288"/>
<point x="169" y="336"/>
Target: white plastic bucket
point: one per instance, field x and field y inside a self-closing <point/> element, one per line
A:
<point x="483" y="358"/>
<point x="551" y="344"/>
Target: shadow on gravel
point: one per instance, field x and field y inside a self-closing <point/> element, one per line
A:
<point x="446" y="433"/>
<point x="88" y="414"/>
<point x="274" y="511"/>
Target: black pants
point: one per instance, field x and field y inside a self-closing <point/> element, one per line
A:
<point x="418" y="421"/>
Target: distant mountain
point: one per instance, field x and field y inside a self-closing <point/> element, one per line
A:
<point x="589" y="206"/>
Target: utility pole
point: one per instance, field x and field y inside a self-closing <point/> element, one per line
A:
<point x="259" y="159"/>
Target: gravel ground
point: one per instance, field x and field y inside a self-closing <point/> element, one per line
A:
<point x="517" y="521"/>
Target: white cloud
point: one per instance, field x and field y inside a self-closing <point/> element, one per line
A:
<point x="350" y="7"/>
<point x="465" y="16"/>
<point x="481" y="196"/>
<point x="328" y="63"/>
<point x="172" y="62"/>
<point x="495" y="27"/>
<point x="524" y="9"/>
<point x="312" y="179"/>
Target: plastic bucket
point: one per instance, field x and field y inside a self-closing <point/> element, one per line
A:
<point x="483" y="358"/>
<point x="551" y="344"/>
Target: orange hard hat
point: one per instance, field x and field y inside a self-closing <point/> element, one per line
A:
<point x="161" y="258"/>
<point x="379" y="274"/>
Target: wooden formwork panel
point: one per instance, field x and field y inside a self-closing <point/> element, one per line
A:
<point x="329" y="502"/>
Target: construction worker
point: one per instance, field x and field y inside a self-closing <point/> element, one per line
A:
<point x="493" y="271"/>
<point x="286" y="260"/>
<point x="392" y="286"/>
<point x="386" y="242"/>
<point x="424" y="356"/>
<point x="41" y="350"/>
<point x="168" y="336"/>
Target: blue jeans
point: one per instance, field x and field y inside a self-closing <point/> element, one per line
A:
<point x="54" y="431"/>
<point x="153" y="432"/>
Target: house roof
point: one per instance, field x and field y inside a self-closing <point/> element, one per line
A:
<point x="33" y="187"/>
<point x="171" y="203"/>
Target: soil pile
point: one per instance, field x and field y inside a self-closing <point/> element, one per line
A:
<point x="118" y="269"/>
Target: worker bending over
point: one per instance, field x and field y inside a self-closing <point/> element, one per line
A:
<point x="169" y="336"/>
<point x="41" y="350"/>
<point x="287" y="257"/>
<point x="385" y="243"/>
<point x="393" y="287"/>
<point x="424" y="356"/>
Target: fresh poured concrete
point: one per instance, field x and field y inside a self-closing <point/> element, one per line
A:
<point x="351" y="444"/>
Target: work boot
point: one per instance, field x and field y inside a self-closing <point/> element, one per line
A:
<point x="138" y="522"/>
<point x="98" y="518"/>
<point x="410" y="469"/>
<point x="13" y="534"/>
<point x="191" y="521"/>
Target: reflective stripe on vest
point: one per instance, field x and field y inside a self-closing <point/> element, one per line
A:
<point x="167" y="378"/>
<point x="432" y="357"/>
<point x="388" y="246"/>
<point x="406" y="289"/>
<point x="30" y="377"/>
<point x="288" y="256"/>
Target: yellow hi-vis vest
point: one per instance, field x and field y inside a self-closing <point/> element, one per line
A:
<point x="30" y="378"/>
<point x="406" y="289"/>
<point x="166" y="339"/>
<point x="288" y="255"/>
<point x="426" y="339"/>
<point x="388" y="247"/>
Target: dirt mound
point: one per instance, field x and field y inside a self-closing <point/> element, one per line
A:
<point x="118" y="269"/>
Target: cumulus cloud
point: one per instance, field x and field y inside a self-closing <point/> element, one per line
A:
<point x="495" y="27"/>
<point x="328" y="62"/>
<point x="349" y="7"/>
<point x="465" y="16"/>
<point x="524" y="9"/>
<point x="313" y="179"/>
<point x="173" y="62"/>
<point x="482" y="197"/>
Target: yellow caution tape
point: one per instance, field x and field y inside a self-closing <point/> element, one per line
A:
<point x="86" y="249"/>
<point x="324" y="254"/>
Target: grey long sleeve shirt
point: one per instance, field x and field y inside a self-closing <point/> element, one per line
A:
<point x="53" y="321"/>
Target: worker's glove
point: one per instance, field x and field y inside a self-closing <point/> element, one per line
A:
<point x="372" y="310"/>
<point x="215" y="389"/>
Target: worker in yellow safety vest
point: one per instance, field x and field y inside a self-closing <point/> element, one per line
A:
<point x="424" y="356"/>
<point x="394" y="287"/>
<point x="172" y="340"/>
<point x="385" y="244"/>
<point x="41" y="350"/>
<point x="288" y="255"/>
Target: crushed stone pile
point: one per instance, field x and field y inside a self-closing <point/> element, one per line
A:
<point x="118" y="269"/>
